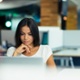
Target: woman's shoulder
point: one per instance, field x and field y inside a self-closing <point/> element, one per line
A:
<point x="11" y="48"/>
<point x="45" y="46"/>
<point x="46" y="52"/>
<point x="10" y="51"/>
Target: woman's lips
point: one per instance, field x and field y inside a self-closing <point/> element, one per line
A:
<point x="26" y="42"/>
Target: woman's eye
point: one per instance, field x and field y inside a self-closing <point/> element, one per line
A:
<point x="30" y="34"/>
<point x="22" y="33"/>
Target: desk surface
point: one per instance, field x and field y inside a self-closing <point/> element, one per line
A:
<point x="68" y="53"/>
<point x="69" y="74"/>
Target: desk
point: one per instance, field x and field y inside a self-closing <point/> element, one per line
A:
<point x="67" y="56"/>
<point x="68" y="74"/>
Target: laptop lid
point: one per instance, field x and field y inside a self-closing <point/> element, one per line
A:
<point x="21" y="60"/>
<point x="21" y="68"/>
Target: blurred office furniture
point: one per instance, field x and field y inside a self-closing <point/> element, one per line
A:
<point x="66" y="57"/>
<point x="70" y="53"/>
<point x="8" y="37"/>
<point x="71" y="38"/>
<point x="45" y="38"/>
<point x="7" y="40"/>
<point x="54" y="36"/>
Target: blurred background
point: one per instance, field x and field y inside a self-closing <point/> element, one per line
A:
<point x="58" y="22"/>
<point x="61" y="13"/>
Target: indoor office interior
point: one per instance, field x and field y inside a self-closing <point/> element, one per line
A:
<point x="58" y="22"/>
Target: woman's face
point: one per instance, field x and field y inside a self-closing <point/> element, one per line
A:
<point x="26" y="36"/>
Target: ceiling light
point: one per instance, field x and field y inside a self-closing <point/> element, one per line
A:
<point x="8" y="24"/>
<point x="64" y="0"/>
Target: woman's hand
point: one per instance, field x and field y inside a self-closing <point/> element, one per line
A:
<point x="22" y="48"/>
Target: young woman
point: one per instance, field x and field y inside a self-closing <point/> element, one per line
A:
<point x="28" y="43"/>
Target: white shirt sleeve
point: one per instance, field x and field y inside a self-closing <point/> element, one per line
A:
<point x="10" y="51"/>
<point x="47" y="52"/>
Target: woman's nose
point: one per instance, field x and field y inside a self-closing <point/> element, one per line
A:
<point x="26" y="36"/>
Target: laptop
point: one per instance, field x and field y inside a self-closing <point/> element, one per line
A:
<point x="21" y="60"/>
<point x="21" y="68"/>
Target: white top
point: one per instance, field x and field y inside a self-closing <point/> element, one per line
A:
<point x="44" y="51"/>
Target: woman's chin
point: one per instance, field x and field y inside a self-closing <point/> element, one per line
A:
<point x="26" y="44"/>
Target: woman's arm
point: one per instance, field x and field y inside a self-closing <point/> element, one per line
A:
<point x="50" y="62"/>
